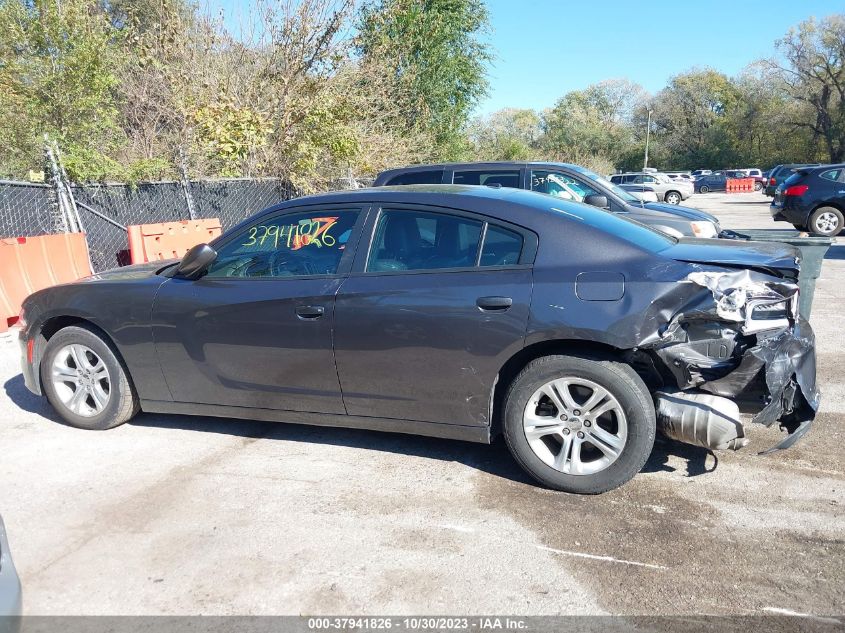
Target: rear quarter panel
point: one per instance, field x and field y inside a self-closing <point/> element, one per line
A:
<point x="559" y="313"/>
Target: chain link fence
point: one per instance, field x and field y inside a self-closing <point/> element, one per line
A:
<point x="105" y="210"/>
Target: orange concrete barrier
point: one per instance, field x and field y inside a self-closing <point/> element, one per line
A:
<point x="168" y="240"/>
<point x="740" y="185"/>
<point x="28" y="264"/>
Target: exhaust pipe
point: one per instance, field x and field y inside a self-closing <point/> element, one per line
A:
<point x="701" y="419"/>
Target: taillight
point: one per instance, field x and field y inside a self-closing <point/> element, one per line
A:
<point x="796" y="190"/>
<point x="772" y="181"/>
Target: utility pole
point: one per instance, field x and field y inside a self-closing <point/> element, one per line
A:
<point x="647" y="132"/>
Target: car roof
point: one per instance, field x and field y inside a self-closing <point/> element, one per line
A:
<point x="496" y="164"/>
<point x="530" y="209"/>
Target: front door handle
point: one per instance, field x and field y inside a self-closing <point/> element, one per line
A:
<point x="309" y="313"/>
<point x="494" y="304"/>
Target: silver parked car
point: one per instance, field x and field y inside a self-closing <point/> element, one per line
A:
<point x="641" y="192"/>
<point x="667" y="190"/>
<point x="10" y="588"/>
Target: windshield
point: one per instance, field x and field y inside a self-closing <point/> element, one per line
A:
<point x="619" y="191"/>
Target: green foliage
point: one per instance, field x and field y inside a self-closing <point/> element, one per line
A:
<point x="438" y="59"/>
<point x="126" y="86"/>
<point x="813" y="75"/>
<point x="57" y="75"/>
<point x="230" y="133"/>
<point x="508" y="134"/>
<point x="595" y="120"/>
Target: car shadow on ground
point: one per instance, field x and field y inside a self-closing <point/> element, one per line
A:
<point x="836" y="251"/>
<point x="493" y="459"/>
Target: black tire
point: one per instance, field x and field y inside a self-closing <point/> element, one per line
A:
<point x="704" y="189"/>
<point x="122" y="403"/>
<point x="830" y="228"/>
<point x="758" y="186"/>
<point x="619" y="380"/>
<point x="672" y="197"/>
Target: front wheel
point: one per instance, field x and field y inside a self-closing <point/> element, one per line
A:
<point x="85" y="380"/>
<point x="826" y="221"/>
<point x="673" y="197"/>
<point x="704" y="189"/>
<point x="578" y="424"/>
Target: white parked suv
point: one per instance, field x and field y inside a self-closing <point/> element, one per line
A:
<point x="667" y="190"/>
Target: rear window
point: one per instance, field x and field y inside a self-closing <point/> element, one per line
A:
<point x="509" y="178"/>
<point x="502" y="247"/>
<point x="432" y="177"/>
<point x="793" y="178"/>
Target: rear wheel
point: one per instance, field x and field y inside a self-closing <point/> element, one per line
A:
<point x="672" y="197"/>
<point x="827" y="221"/>
<point x="704" y="189"/>
<point x="85" y="380"/>
<point x="758" y="186"/>
<point x="578" y="424"/>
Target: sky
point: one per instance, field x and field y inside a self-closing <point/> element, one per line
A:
<point x="546" y="48"/>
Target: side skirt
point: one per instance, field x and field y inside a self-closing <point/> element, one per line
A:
<point x="479" y="434"/>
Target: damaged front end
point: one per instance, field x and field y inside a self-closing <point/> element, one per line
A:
<point x="738" y="341"/>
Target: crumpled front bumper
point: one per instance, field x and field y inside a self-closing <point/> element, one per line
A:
<point x="714" y="346"/>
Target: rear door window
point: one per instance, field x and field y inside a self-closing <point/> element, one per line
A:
<point x="419" y="240"/>
<point x="832" y="174"/>
<point x="432" y="177"/>
<point x="503" y="178"/>
<point x="502" y="247"/>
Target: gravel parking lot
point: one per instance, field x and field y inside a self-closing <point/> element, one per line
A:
<point x="188" y="515"/>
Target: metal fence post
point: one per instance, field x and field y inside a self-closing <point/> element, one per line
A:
<point x="61" y="222"/>
<point x="186" y="185"/>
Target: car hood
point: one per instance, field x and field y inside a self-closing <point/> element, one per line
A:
<point x="684" y="212"/>
<point x="128" y="273"/>
<point x="769" y="255"/>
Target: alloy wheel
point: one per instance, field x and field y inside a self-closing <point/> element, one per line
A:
<point x="827" y="222"/>
<point x="575" y="425"/>
<point x="673" y="198"/>
<point x="81" y="380"/>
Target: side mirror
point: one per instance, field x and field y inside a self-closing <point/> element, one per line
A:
<point x="195" y="263"/>
<point x="597" y="201"/>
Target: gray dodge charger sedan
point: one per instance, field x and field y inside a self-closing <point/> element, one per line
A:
<point x="455" y="311"/>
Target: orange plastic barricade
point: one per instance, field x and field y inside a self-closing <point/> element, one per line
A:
<point x="167" y="240"/>
<point x="740" y="185"/>
<point x="28" y="264"/>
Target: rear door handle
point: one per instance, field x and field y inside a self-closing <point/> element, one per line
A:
<point x="309" y="313"/>
<point x="494" y="304"/>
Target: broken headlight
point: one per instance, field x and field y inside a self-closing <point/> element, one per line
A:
<point x="755" y="300"/>
<point x="771" y="311"/>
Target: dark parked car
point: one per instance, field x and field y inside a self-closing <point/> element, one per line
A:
<point x="711" y="182"/>
<point x="812" y="199"/>
<point x="10" y="588"/>
<point x="779" y="173"/>
<point x="445" y="310"/>
<point x="562" y="180"/>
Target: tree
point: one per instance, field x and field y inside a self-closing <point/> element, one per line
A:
<point x="689" y="120"/>
<point x="596" y="121"/>
<point x="57" y="76"/>
<point x="813" y="74"/>
<point x="437" y="59"/>
<point x="509" y="134"/>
